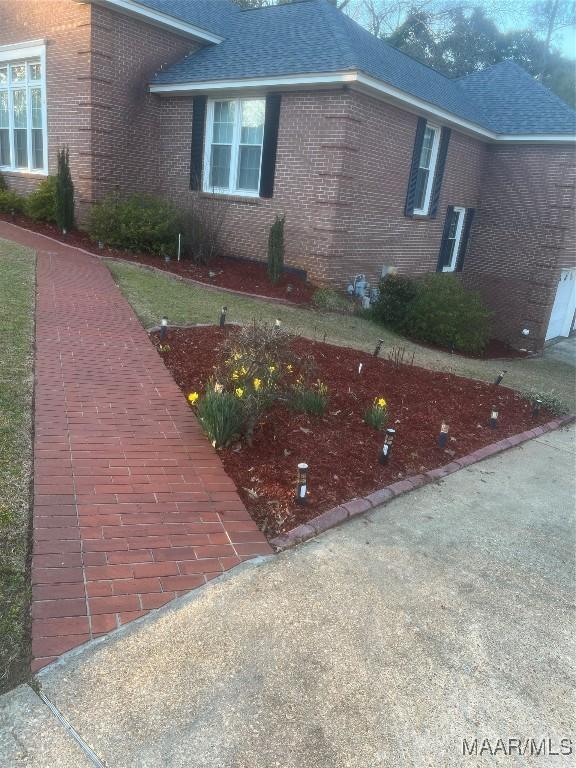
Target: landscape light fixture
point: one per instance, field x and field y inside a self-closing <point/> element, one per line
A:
<point x="302" y="483"/>
<point x="277" y="323"/>
<point x="443" y="436"/>
<point x="387" y="447"/>
<point x="223" y="316"/>
<point x="163" y="328"/>
<point x="100" y="245"/>
<point x="493" y="417"/>
<point x="536" y="408"/>
<point x="378" y="347"/>
<point x="360" y="366"/>
<point x="500" y="377"/>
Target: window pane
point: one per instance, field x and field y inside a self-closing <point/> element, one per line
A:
<point x="252" y="129"/>
<point x="3" y="75"/>
<point x="4" y="147"/>
<point x="220" y="166"/>
<point x="34" y="71"/>
<point x="426" y="153"/>
<point x="37" y="148"/>
<point x="36" y="107"/>
<point x="19" y="101"/>
<point x="3" y="109"/>
<point x="21" y="148"/>
<point x="420" y="193"/>
<point x="249" y="168"/>
<point x="18" y="73"/>
<point x="223" y="129"/>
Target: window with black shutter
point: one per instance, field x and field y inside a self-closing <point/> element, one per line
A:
<point x="427" y="169"/>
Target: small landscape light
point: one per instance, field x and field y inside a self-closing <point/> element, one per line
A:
<point x="100" y="245"/>
<point x="493" y="417"/>
<point x="387" y="447"/>
<point x="163" y="328"/>
<point x="499" y="377"/>
<point x="64" y="231"/>
<point x="443" y="436"/>
<point x="223" y="316"/>
<point x="360" y="366"/>
<point x="536" y="407"/>
<point x="277" y="323"/>
<point x="302" y="483"/>
<point x="525" y="332"/>
<point x="378" y="347"/>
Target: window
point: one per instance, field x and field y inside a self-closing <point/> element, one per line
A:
<point x="426" y="168"/>
<point x="233" y="152"/>
<point x="453" y="239"/>
<point x="22" y="110"/>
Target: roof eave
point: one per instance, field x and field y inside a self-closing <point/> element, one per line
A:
<point x="363" y="83"/>
<point x="159" y="19"/>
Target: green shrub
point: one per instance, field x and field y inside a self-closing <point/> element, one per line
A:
<point x="138" y="223"/>
<point x="377" y="415"/>
<point x="11" y="201"/>
<point x="396" y="293"/>
<point x="41" y="204"/>
<point x="550" y="401"/>
<point x="64" y="206"/>
<point x="3" y="186"/>
<point x="220" y="414"/>
<point x="443" y="312"/>
<point x="309" y="399"/>
<point x="276" y="249"/>
<point x="331" y="301"/>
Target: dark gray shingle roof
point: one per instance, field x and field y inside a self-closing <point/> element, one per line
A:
<point x="312" y="37"/>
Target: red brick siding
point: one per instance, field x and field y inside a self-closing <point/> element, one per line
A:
<point x="523" y="235"/>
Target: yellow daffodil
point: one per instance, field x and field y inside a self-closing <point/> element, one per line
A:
<point x="289" y="368"/>
<point x="271" y="368"/>
<point x="381" y="403"/>
<point x="235" y="375"/>
<point x="218" y="388"/>
<point x="192" y="397"/>
<point x="236" y="356"/>
<point x="243" y="371"/>
<point x="238" y="391"/>
<point x="257" y="384"/>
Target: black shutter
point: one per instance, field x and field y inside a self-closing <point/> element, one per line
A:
<point x="443" y="255"/>
<point x="197" y="151"/>
<point x="411" y="192"/>
<point x="439" y="174"/>
<point x="270" y="144"/>
<point x="468" y="219"/>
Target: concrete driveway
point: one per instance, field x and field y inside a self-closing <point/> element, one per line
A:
<point x="445" y="615"/>
<point x="562" y="351"/>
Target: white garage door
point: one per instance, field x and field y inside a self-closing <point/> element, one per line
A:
<point x="564" y="305"/>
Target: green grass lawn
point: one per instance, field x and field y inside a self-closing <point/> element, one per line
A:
<point x="17" y="267"/>
<point x="153" y="295"/>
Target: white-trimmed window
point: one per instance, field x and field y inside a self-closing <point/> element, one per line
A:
<point x="454" y="239"/>
<point x="426" y="169"/>
<point x="23" y="138"/>
<point x="233" y="146"/>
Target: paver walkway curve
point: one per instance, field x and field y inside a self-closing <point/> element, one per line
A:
<point x="132" y="506"/>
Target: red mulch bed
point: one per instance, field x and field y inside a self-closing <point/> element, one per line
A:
<point x="234" y="274"/>
<point x="340" y="449"/>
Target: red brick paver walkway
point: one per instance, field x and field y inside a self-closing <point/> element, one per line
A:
<point x="132" y="506"/>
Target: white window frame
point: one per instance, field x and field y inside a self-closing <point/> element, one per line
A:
<point x="33" y="52"/>
<point x="457" y="239"/>
<point x="235" y="148"/>
<point x="431" y="171"/>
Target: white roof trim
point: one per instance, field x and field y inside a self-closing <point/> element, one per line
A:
<point x="159" y="19"/>
<point x="364" y="83"/>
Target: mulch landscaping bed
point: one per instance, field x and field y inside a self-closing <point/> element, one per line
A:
<point x="342" y="451"/>
<point x="233" y="274"/>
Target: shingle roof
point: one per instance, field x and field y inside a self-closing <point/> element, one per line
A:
<point x="312" y="36"/>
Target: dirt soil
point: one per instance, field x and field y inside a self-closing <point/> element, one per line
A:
<point x="340" y="449"/>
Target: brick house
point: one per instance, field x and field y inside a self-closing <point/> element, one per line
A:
<point x="377" y="160"/>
